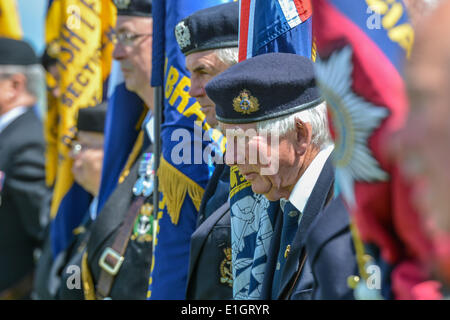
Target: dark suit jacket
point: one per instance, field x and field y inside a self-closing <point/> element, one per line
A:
<point x="210" y="274"/>
<point x="131" y="282"/>
<point x="22" y="160"/>
<point x="304" y="286"/>
<point x="331" y="252"/>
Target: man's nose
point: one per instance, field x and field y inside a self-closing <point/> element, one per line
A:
<point x="197" y="89"/>
<point x="119" y="52"/>
<point x="236" y="154"/>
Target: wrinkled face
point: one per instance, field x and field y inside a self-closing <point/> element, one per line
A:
<point x="204" y="66"/>
<point x="87" y="154"/>
<point x="133" y="49"/>
<point x="5" y="92"/>
<point x="424" y="142"/>
<point x="272" y="164"/>
<point x="12" y="87"/>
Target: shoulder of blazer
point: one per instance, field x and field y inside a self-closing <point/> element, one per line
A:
<point x="27" y="127"/>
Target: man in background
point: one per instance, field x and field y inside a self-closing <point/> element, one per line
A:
<point x="213" y="48"/>
<point x="22" y="167"/>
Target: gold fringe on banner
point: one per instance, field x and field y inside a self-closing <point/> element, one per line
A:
<point x="174" y="185"/>
<point x="88" y="283"/>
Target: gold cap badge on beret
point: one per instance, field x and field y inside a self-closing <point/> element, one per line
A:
<point x="183" y="35"/>
<point x="122" y="4"/>
<point x="245" y="103"/>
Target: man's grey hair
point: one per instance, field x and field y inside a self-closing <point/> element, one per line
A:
<point x="316" y="116"/>
<point x="33" y="73"/>
<point x="229" y="56"/>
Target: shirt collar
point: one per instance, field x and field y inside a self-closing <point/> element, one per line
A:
<point x="149" y="126"/>
<point x="10" y="116"/>
<point x="304" y="186"/>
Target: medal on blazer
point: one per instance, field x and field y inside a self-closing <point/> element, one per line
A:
<point x="143" y="226"/>
<point x="144" y="184"/>
<point x="2" y="181"/>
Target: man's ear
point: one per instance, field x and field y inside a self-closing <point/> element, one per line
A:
<point x="303" y="132"/>
<point x="19" y="82"/>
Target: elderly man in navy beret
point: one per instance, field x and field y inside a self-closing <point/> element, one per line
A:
<point x="209" y="40"/>
<point x="278" y="137"/>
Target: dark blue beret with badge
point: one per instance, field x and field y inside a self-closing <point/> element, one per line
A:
<point x="264" y="87"/>
<point x="207" y="29"/>
<point x="138" y="8"/>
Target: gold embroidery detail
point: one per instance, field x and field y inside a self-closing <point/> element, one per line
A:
<point x="245" y="103"/>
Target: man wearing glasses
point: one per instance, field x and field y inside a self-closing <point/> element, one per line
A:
<point x="133" y="47"/>
<point x="116" y="264"/>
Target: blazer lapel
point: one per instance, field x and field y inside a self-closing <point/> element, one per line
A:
<point x="333" y="220"/>
<point x="114" y="212"/>
<point x="314" y="205"/>
<point x="269" y="270"/>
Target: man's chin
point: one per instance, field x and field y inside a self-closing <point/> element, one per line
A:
<point x="267" y="192"/>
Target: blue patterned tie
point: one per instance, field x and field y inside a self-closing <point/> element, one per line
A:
<point x="291" y="218"/>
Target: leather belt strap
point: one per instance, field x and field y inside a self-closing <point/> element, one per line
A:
<point x="20" y="290"/>
<point x="112" y="257"/>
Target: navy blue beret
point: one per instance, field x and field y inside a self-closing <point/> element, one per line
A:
<point x="267" y="86"/>
<point x="207" y="29"/>
<point x="16" y="52"/>
<point x="139" y="8"/>
<point x="92" y="118"/>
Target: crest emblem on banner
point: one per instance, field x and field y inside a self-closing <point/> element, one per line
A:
<point x="354" y="119"/>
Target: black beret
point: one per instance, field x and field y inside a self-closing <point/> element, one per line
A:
<point x="16" y="52"/>
<point x="139" y="8"/>
<point x="267" y="86"/>
<point x="92" y="118"/>
<point x="211" y="28"/>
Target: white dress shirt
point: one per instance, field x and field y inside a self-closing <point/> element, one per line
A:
<point x="305" y="185"/>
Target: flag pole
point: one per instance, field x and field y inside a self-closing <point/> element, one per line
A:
<point x="158" y="110"/>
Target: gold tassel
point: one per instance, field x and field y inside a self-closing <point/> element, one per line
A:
<point x="88" y="283"/>
<point x="174" y="185"/>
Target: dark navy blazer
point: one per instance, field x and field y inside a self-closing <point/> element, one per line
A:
<point x="209" y="275"/>
<point x="322" y="238"/>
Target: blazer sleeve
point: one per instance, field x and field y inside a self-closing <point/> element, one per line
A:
<point x="26" y="182"/>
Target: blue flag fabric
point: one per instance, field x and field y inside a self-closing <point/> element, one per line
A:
<point x="265" y="26"/>
<point x="122" y="127"/>
<point x="184" y="169"/>
<point x="72" y="211"/>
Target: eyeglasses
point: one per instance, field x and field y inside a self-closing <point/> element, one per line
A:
<point x="127" y="38"/>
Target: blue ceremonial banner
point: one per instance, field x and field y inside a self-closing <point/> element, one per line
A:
<point x="187" y="152"/>
<point x="264" y="26"/>
<point x="122" y="127"/>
